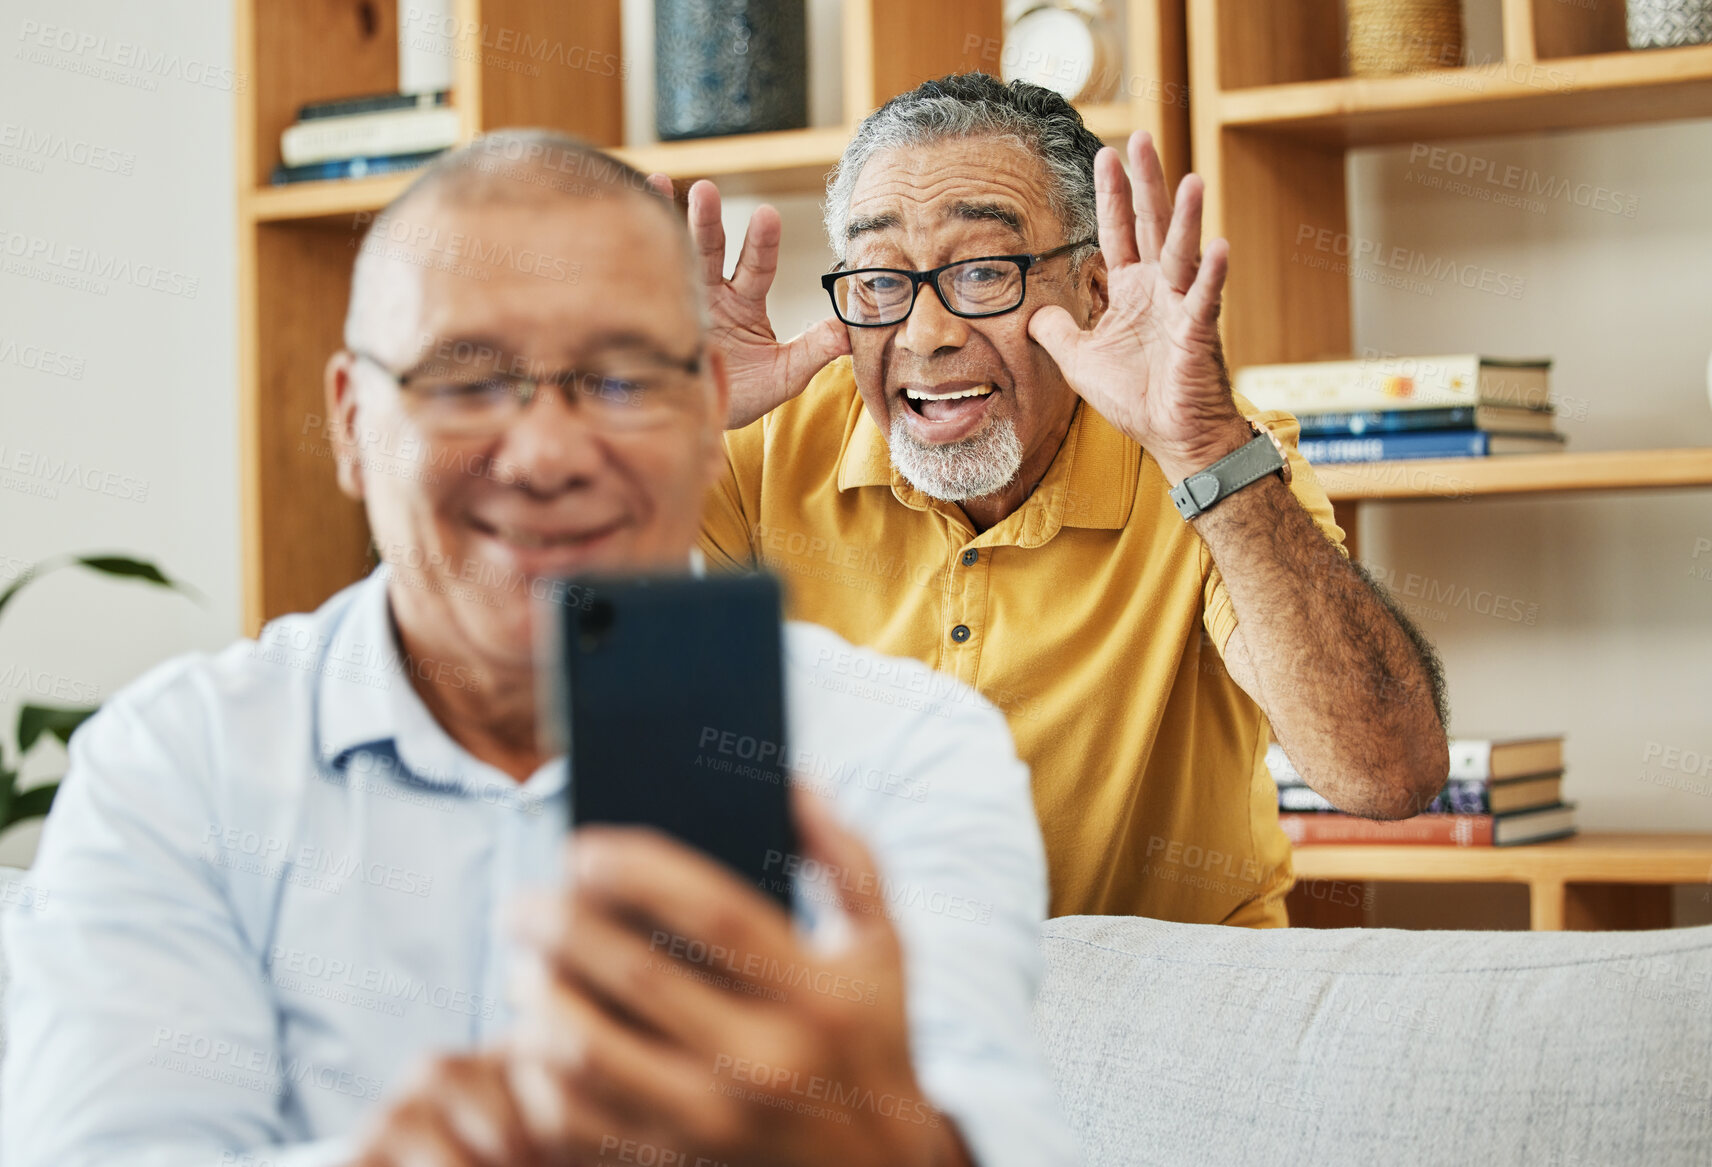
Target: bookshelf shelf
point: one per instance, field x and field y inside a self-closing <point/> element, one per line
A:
<point x="1588" y="882"/>
<point x="782" y="162"/>
<point x="1463" y="478"/>
<point x="1512" y="97"/>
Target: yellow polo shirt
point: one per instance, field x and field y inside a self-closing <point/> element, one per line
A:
<point x="1092" y="617"/>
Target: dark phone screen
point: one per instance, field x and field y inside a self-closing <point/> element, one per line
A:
<point x="676" y="715"/>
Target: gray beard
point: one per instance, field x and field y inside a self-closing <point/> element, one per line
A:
<point x="981" y="464"/>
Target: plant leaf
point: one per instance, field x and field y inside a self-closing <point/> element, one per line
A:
<point x="35" y="720"/>
<point x="29" y="804"/>
<point x="124" y="567"/>
<point x="129" y="568"/>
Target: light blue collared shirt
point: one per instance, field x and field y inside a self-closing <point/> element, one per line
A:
<point x="271" y="886"/>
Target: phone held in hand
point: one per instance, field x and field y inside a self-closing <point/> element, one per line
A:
<point x="672" y="691"/>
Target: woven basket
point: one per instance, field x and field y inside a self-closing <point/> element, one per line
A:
<point x="1403" y="36"/>
<point x="1663" y="24"/>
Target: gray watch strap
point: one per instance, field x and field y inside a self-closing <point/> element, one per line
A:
<point x="1252" y="462"/>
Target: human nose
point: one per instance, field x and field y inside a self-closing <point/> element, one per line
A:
<point x="549" y="444"/>
<point x="931" y="326"/>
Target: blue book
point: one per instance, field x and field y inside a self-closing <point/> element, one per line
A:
<point x="1343" y="425"/>
<point x="349" y="168"/>
<point x="1436" y="444"/>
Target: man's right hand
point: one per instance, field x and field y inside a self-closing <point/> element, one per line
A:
<point x="765" y="372"/>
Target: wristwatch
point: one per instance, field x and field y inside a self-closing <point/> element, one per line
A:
<point x="1256" y="459"/>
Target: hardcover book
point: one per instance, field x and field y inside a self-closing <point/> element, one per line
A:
<point x="1435" y="444"/>
<point x="1393" y="383"/>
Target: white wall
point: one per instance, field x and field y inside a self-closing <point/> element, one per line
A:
<point x="1618" y="649"/>
<point x="151" y="421"/>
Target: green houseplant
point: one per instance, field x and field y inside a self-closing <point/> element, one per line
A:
<point x="36" y="722"/>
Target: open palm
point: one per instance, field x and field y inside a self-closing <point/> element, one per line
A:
<point x="1152" y="364"/>
<point x="764" y="371"/>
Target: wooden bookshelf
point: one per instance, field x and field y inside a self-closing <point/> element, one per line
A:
<point x="1508" y="474"/>
<point x="302" y="540"/>
<point x="1559" y="94"/>
<point x="1593" y="882"/>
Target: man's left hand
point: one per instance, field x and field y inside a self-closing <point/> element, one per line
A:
<point x="1152" y="364"/>
<point x="670" y="1009"/>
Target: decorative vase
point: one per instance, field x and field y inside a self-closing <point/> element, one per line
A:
<point x="1662" y="24"/>
<point x="729" y="67"/>
<point x="1387" y="37"/>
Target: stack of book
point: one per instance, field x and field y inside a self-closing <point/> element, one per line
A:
<point x="1411" y="407"/>
<point x="358" y="136"/>
<point x="1501" y="792"/>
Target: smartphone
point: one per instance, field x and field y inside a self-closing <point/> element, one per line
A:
<point x="674" y="697"/>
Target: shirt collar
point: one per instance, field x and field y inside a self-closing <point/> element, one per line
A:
<point x="1091" y="483"/>
<point x="365" y="704"/>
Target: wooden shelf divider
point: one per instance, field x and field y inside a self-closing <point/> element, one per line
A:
<point x="1464" y="478"/>
<point x="1561" y="876"/>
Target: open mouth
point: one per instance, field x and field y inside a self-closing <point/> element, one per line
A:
<point x="948" y="405"/>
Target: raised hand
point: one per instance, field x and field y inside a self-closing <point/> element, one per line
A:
<point x="765" y="372"/>
<point x="1152" y="364"/>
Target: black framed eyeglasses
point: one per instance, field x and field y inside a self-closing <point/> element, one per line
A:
<point x="990" y="285"/>
<point x="474" y="398"/>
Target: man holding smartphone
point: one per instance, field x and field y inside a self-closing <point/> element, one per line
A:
<point x="287" y="916"/>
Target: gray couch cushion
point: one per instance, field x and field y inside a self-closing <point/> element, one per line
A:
<point x="1179" y="1044"/>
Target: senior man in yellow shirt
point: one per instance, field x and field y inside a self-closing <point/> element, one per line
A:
<point x="972" y="462"/>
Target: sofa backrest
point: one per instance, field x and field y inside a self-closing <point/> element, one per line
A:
<point x="1182" y="1044"/>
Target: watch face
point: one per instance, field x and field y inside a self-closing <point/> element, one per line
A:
<point x="1067" y="52"/>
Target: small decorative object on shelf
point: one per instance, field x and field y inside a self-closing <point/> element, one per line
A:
<point x="1387" y="37"/>
<point x="729" y="67"/>
<point x="1069" y="46"/>
<point x="1663" y="24"/>
<point x="426" y="32"/>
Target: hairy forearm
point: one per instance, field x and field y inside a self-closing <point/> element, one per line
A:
<point x="1350" y="695"/>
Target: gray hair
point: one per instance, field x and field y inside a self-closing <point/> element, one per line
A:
<point x="975" y="105"/>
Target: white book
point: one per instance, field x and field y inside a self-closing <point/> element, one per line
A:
<point x="1382" y="384"/>
<point x="370" y="135"/>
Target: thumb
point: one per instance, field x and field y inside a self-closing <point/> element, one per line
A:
<point x="849" y="864"/>
<point x="1055" y="330"/>
<point x="816" y="347"/>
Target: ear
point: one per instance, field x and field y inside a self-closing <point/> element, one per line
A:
<point x="341" y="424"/>
<point x="715" y="446"/>
<point x="1098" y="294"/>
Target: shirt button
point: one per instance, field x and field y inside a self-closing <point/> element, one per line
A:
<point x="960" y="633"/>
<point x="970" y="556"/>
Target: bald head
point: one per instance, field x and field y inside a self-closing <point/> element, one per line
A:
<point x="527" y="171"/>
